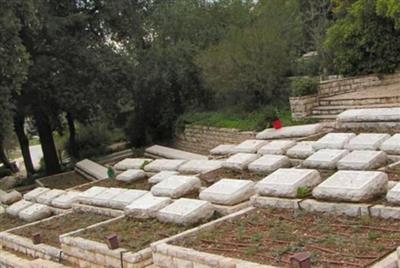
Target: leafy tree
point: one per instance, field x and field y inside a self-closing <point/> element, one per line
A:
<point x="390" y="9"/>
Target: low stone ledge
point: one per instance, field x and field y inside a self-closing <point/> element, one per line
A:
<point x="97" y="210"/>
<point x="349" y="209"/>
<point x="385" y="212"/>
<point x="275" y="202"/>
<point x="226" y="210"/>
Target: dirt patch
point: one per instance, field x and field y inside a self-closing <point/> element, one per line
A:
<point x="64" y="181"/>
<point x="140" y="184"/>
<point x="53" y="228"/>
<point x="271" y="236"/>
<point x="8" y="222"/>
<point x="224" y="173"/>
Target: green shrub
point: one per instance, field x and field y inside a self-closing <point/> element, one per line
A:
<point x="303" y="192"/>
<point x="304" y="86"/>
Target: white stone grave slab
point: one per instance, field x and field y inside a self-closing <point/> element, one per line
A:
<point x="176" y="186"/>
<point x="239" y="161"/>
<point x="223" y="149"/>
<point x="66" y="200"/>
<point x="333" y="141"/>
<point x="35" y="212"/>
<point x="170" y="153"/>
<point x="186" y="211"/>
<point x="93" y="169"/>
<point x="370" y="115"/>
<point x="147" y="206"/>
<point x="367" y="141"/>
<point x="325" y="159"/>
<point x="131" y="175"/>
<point x="122" y="200"/>
<point x="269" y="163"/>
<point x="132" y="163"/>
<point x="353" y="186"/>
<point x="15" y="208"/>
<point x="160" y="176"/>
<point x="301" y="150"/>
<point x="32" y="195"/>
<point x="10" y="197"/>
<point x="392" y="145"/>
<point x="200" y="166"/>
<point x="87" y="195"/>
<point x="164" y="165"/>
<point x="2" y="210"/>
<point x="249" y="146"/>
<point x="277" y="147"/>
<point x="290" y="132"/>
<point x="104" y="198"/>
<point x="363" y="160"/>
<point x="393" y="195"/>
<point x="285" y="182"/>
<point x="48" y="196"/>
<point x="228" y="192"/>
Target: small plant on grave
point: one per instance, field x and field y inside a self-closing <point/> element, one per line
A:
<point x="303" y="192"/>
<point x="257" y="237"/>
<point x="145" y="163"/>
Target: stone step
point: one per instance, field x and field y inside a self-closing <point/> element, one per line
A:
<point x="324" y="118"/>
<point x="394" y="100"/>
<point x="335" y="110"/>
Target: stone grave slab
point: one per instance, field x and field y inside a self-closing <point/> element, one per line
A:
<point x="367" y="141"/>
<point x="352" y="186"/>
<point x="301" y="150"/>
<point x="239" y="161"/>
<point x="228" y="192"/>
<point x="170" y="153"/>
<point x="2" y="210"/>
<point x="370" y="115"/>
<point x="131" y="175"/>
<point x="132" y="163"/>
<point x="48" y="196"/>
<point x="393" y="195"/>
<point x="15" y="208"/>
<point x="160" y="176"/>
<point x="104" y="198"/>
<point x="92" y="169"/>
<point x="87" y="195"/>
<point x="176" y="186"/>
<point x="223" y="149"/>
<point x="277" y="147"/>
<point x="290" y="132"/>
<point x="66" y="200"/>
<point x="164" y="165"/>
<point x="147" y="206"/>
<point x="325" y="159"/>
<point x="249" y="146"/>
<point x="186" y="211"/>
<point x="122" y="200"/>
<point x="285" y="182"/>
<point x="35" y="212"/>
<point x="200" y="166"/>
<point x="363" y="160"/>
<point x="32" y="195"/>
<point x="10" y="197"/>
<point x="333" y="141"/>
<point x="392" y="145"/>
<point x="269" y="163"/>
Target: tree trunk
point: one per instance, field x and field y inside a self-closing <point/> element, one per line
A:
<point x="4" y="158"/>
<point x="47" y="142"/>
<point x="23" y="143"/>
<point x="72" y="136"/>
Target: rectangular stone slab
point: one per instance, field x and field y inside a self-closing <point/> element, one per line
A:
<point x="160" y="176"/>
<point x="16" y="208"/>
<point x="239" y="161"/>
<point x="132" y="163"/>
<point x="223" y="149"/>
<point x="367" y="141"/>
<point x="249" y="146"/>
<point x="333" y="141"/>
<point x="200" y="166"/>
<point x="277" y="147"/>
<point x="32" y="195"/>
<point x="164" y="165"/>
<point x="393" y="195"/>
<point x="103" y="199"/>
<point x="93" y="169"/>
<point x="131" y="175"/>
<point x="170" y="153"/>
<point x="363" y="160"/>
<point x="66" y="200"/>
<point x="324" y="159"/>
<point x="301" y="150"/>
<point x="186" y="211"/>
<point x="228" y="192"/>
<point x="48" y="196"/>
<point x="352" y="186"/>
<point x="285" y="182"/>
<point x="35" y="212"/>
<point x="370" y="115"/>
<point x="392" y="145"/>
<point x="176" y="186"/>
<point x="146" y="206"/>
<point x="269" y="163"/>
<point x="90" y="193"/>
<point x="125" y="198"/>
<point x="290" y="132"/>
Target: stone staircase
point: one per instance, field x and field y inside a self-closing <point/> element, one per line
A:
<point x="358" y="93"/>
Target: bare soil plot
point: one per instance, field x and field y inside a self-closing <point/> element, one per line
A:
<point x="64" y="181"/>
<point x="142" y="184"/>
<point x="8" y="222"/>
<point x="224" y="173"/>
<point x="53" y="228"/>
<point x="271" y="236"/>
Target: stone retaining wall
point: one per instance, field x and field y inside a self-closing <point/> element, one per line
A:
<point x="201" y="139"/>
<point x="301" y="107"/>
<point x="331" y="88"/>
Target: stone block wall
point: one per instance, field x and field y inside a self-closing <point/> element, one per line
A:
<point x="301" y="107"/>
<point x="331" y="88"/>
<point x="201" y="139"/>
